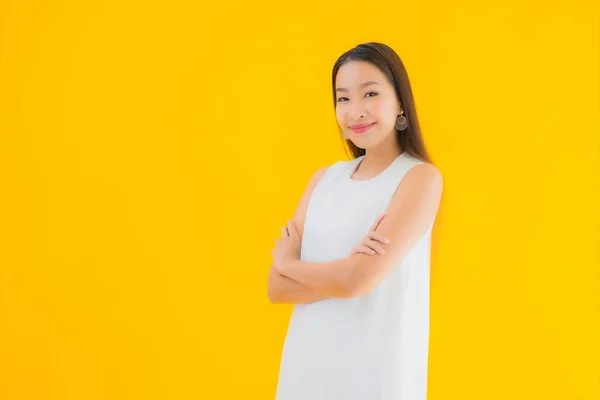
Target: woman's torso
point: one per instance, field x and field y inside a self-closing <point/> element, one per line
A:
<point x="369" y="347"/>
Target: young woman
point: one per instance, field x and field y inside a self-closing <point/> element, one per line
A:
<point x="355" y="258"/>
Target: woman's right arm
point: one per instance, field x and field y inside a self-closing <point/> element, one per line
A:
<point x="284" y="290"/>
<point x="281" y="288"/>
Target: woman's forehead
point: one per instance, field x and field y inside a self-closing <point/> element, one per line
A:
<point x="356" y="74"/>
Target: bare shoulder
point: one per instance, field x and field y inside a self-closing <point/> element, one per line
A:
<point x="316" y="177"/>
<point x="418" y="196"/>
<point x="422" y="177"/>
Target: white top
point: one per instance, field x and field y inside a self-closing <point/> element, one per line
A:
<point x="369" y="347"/>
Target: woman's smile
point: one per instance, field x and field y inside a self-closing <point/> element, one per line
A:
<point x="361" y="128"/>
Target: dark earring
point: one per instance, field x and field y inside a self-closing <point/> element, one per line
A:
<point x="401" y="121"/>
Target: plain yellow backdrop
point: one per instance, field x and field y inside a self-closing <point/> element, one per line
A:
<point x="151" y="151"/>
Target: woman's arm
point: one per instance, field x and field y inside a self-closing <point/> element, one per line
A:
<point x="410" y="213"/>
<point x="284" y="290"/>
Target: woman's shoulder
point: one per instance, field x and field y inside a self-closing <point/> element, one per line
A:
<point x="425" y="168"/>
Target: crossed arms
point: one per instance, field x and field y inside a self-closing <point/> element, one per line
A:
<point x="409" y="215"/>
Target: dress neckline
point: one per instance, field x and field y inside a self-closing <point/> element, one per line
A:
<point x="358" y="161"/>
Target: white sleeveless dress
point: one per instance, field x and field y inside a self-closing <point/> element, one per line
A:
<point x="371" y="347"/>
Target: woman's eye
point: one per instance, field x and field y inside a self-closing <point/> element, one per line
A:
<point x="368" y="94"/>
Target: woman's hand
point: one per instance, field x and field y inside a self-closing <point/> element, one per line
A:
<point x="288" y="247"/>
<point x="372" y="242"/>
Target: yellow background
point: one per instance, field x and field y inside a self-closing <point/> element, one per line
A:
<point x="151" y="151"/>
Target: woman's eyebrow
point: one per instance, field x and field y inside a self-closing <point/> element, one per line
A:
<point x="361" y="85"/>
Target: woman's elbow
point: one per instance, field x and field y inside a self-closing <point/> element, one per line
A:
<point x="359" y="287"/>
<point x="273" y="295"/>
<point x="365" y="277"/>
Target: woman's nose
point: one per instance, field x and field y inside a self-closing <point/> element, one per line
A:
<point x="356" y="112"/>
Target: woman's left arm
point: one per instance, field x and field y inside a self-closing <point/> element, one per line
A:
<point x="412" y="210"/>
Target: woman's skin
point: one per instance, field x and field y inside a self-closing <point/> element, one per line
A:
<point x="281" y="288"/>
<point x="363" y="96"/>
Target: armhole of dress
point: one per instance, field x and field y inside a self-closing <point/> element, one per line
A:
<point x="331" y="172"/>
<point x="413" y="163"/>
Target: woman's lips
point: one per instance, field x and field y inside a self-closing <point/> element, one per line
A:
<point x="361" y="128"/>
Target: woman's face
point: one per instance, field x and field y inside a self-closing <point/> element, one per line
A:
<point x="365" y="97"/>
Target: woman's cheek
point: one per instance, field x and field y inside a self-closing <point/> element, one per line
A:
<point x="340" y="115"/>
<point x="377" y="108"/>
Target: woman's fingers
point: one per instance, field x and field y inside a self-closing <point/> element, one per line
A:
<point x="372" y="244"/>
<point x="368" y="247"/>
<point x="378" y="236"/>
<point x="292" y="229"/>
<point x="377" y="222"/>
<point x="378" y="248"/>
<point x="362" y="249"/>
<point x="370" y="250"/>
<point x="365" y="250"/>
